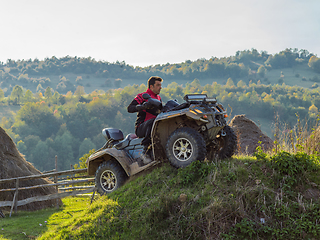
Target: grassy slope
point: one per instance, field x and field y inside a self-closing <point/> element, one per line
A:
<point x="228" y="199"/>
<point x="290" y="78"/>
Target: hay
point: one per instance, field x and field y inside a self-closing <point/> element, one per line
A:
<point x="249" y="135"/>
<point x="13" y="164"/>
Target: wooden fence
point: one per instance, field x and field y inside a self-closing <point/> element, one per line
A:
<point x="62" y="192"/>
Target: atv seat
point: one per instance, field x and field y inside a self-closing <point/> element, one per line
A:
<point x="125" y="142"/>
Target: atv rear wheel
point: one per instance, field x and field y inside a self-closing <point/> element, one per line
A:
<point x="109" y="177"/>
<point x="184" y="146"/>
<point x="224" y="146"/>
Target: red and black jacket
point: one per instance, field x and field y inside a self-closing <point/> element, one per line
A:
<point x="144" y="115"/>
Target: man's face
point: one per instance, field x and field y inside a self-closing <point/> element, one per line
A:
<point x="156" y="87"/>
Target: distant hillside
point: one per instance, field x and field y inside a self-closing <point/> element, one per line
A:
<point x="291" y="66"/>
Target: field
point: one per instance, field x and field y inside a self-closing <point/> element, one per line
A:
<point x="290" y="77"/>
<point x="30" y="225"/>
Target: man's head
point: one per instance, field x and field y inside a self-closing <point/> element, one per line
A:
<point x="154" y="84"/>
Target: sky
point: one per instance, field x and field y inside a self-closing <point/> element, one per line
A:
<point x="148" y="32"/>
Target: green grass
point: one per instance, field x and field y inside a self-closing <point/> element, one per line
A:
<point x="30" y="225"/>
<point x="290" y="78"/>
<point x="262" y="197"/>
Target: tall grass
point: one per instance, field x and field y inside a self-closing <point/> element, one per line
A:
<point x="303" y="137"/>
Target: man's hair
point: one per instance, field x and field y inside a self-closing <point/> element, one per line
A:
<point x="152" y="80"/>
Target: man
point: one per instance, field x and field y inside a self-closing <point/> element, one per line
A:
<point x="146" y="113"/>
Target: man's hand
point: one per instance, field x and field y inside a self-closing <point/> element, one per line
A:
<point x="144" y="106"/>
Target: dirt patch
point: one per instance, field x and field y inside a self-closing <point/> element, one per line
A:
<point x="12" y="165"/>
<point x="249" y="135"/>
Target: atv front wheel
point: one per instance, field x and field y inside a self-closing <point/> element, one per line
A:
<point x="224" y="146"/>
<point x="184" y="146"/>
<point x="109" y="177"/>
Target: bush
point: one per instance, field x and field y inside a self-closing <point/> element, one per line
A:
<point x="293" y="165"/>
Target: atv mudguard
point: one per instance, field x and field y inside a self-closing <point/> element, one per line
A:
<point x="167" y="122"/>
<point x="120" y="156"/>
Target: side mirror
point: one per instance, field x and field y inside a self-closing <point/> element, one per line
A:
<point x="145" y="96"/>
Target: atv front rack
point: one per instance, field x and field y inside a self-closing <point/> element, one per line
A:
<point x="199" y="98"/>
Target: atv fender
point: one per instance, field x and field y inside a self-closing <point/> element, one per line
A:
<point x="166" y="123"/>
<point x="108" y="154"/>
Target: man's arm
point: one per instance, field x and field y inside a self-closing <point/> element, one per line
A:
<point x="132" y="106"/>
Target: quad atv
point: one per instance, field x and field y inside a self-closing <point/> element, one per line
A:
<point x="181" y="133"/>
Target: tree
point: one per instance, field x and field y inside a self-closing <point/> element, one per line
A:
<point x="61" y="87"/>
<point x="39" y="88"/>
<point x="314" y="63"/>
<point x="241" y="84"/>
<point x="48" y="93"/>
<point x="17" y="93"/>
<point x="79" y="91"/>
<point x="230" y="83"/>
<point x="22" y="147"/>
<point x="82" y="160"/>
<point x="55" y="97"/>
<point x="63" y="147"/>
<point x="262" y="71"/>
<point x="28" y="96"/>
<point x="31" y="141"/>
<point x="40" y="118"/>
<point x="40" y="155"/>
<point x="86" y="146"/>
<point x="234" y="70"/>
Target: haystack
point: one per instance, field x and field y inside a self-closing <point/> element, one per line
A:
<point x="249" y="135"/>
<point x="13" y="164"/>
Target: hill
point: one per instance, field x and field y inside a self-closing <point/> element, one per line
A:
<point x="251" y="83"/>
<point x="291" y="66"/>
<point x="240" y="198"/>
<point x="267" y="196"/>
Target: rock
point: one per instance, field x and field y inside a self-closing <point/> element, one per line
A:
<point x="183" y="197"/>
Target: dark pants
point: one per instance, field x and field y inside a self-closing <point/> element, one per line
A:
<point x="144" y="130"/>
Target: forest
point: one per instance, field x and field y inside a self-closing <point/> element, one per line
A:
<point x="66" y="121"/>
<point x="66" y="73"/>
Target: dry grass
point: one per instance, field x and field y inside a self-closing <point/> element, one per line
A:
<point x="301" y="137"/>
<point x="12" y="164"/>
